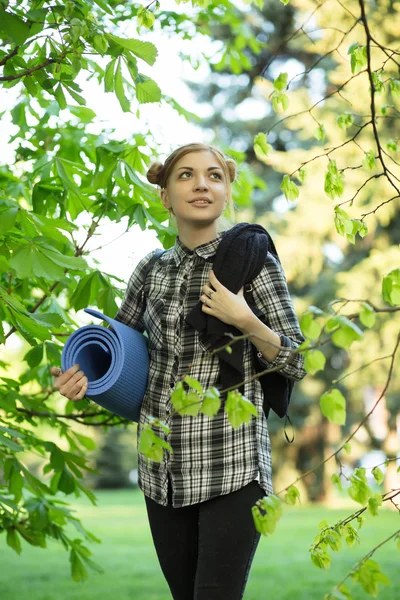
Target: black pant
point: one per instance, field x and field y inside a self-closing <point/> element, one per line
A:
<point x="205" y="550"/>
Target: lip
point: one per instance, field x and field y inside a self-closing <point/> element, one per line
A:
<point x="200" y="198"/>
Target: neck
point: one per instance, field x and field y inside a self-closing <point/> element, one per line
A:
<point x="191" y="237"/>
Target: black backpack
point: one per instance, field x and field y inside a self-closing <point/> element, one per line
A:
<point x="277" y="388"/>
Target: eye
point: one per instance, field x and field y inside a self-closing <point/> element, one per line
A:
<point x="219" y="176"/>
<point x="184" y="173"/>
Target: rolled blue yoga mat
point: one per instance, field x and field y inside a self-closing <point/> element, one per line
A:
<point x="116" y="363"/>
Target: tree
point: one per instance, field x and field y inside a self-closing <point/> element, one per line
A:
<point x="315" y="276"/>
<point x="61" y="171"/>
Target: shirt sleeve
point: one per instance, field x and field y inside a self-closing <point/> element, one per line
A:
<point x="132" y="308"/>
<point x="271" y="295"/>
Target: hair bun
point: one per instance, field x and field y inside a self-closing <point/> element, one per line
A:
<point x="154" y="173"/>
<point x="232" y="168"/>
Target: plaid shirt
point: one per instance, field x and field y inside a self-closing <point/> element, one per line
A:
<point x="209" y="457"/>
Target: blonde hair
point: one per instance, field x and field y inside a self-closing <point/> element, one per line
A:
<point x="158" y="174"/>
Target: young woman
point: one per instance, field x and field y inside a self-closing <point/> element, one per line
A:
<point x="199" y="497"/>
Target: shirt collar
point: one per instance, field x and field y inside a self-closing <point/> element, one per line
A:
<point x="181" y="252"/>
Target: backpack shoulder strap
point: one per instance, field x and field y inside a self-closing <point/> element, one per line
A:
<point x="149" y="266"/>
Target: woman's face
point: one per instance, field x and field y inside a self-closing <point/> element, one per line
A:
<point x="196" y="175"/>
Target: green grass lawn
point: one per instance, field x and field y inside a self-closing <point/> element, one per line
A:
<point x="282" y="569"/>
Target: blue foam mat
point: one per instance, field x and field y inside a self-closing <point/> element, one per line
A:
<point x="115" y="361"/>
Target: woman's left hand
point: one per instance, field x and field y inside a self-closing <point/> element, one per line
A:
<point x="230" y="308"/>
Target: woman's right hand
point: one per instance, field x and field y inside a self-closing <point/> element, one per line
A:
<point x="72" y="384"/>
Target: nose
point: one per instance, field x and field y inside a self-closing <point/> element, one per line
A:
<point x="200" y="183"/>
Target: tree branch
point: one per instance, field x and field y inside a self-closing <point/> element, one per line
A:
<point x="45" y="63"/>
<point x="8" y="56"/>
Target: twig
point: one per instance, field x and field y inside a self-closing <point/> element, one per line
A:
<point x="356" y="429"/>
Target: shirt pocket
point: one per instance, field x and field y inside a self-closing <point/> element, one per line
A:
<point x="153" y="320"/>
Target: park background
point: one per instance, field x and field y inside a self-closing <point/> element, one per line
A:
<point x="234" y="105"/>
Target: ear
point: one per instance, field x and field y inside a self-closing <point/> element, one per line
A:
<point x="164" y="197"/>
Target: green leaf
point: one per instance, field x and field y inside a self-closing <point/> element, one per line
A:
<point x="333" y="406"/>
<point x="351" y="536"/>
<point x="302" y="175"/>
<point x="291" y="495"/>
<point x="391" y="145"/>
<point x="345" y="120"/>
<point x="335" y="478"/>
<point x="87" y="442"/>
<point x="109" y="76"/>
<point x="374" y="502"/>
<point x="145" y="17"/>
<point x="358" y="57"/>
<point x="28" y="327"/>
<point x="347" y="448"/>
<point x="66" y="483"/>
<point x="320" y="134"/>
<point x="211" y="403"/>
<point x="377" y="473"/>
<point x="278" y="98"/>
<point x="75" y="263"/>
<point x="314" y="361"/>
<point x="309" y="327"/>
<point x="87" y="288"/>
<point x="151" y="445"/>
<point x="16" y="484"/>
<point x="119" y="89"/>
<point x="394" y="86"/>
<point x="239" y="409"/>
<point x="193" y="383"/>
<point x="14" y="27"/>
<point x="77" y="97"/>
<point x="334" y="181"/>
<point x="147" y="90"/>
<point x="34" y="356"/>
<point x="391" y="287"/>
<point x="359" y="490"/>
<point x="261" y="146"/>
<point x="367" y="315"/>
<point x="333" y="539"/>
<point x="84" y="114"/>
<point x="59" y="96"/>
<point x="12" y="536"/>
<point x="48" y="319"/>
<point x="57" y="462"/>
<point x="321" y="559"/>
<point x="7" y="219"/>
<point x="289" y="188"/>
<point x="78" y="569"/>
<point x="347" y="333"/>
<point x="144" y="50"/>
<point x="280" y="82"/>
<point x="369" y="161"/>
<point x="104" y="5"/>
<point x="192" y="404"/>
<point x="14" y="446"/>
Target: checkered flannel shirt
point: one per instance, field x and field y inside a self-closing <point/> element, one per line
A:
<point x="209" y="457"/>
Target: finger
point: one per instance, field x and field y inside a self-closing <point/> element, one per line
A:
<point x="75" y="390"/>
<point x="70" y="386"/>
<point x="56" y="371"/>
<point x="66" y="376"/>
<point x="81" y="394"/>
